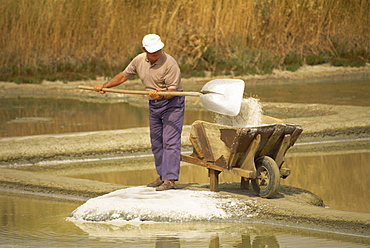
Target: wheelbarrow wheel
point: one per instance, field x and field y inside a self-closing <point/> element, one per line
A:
<point x="268" y="177"/>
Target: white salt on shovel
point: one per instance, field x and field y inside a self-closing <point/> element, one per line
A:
<point x="223" y="96"/>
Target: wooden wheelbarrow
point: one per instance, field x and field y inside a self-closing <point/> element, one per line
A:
<point x="253" y="153"/>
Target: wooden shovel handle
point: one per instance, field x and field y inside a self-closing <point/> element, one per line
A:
<point x="144" y="92"/>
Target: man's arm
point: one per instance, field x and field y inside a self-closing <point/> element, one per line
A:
<point x="153" y="94"/>
<point x="116" y="80"/>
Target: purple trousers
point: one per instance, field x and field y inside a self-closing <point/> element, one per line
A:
<point x="166" y="120"/>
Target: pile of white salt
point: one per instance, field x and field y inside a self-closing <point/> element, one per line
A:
<point x="250" y="115"/>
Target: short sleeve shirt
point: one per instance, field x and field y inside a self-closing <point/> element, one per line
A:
<point x="163" y="74"/>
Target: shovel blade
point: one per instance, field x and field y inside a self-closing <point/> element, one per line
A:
<point x="223" y="96"/>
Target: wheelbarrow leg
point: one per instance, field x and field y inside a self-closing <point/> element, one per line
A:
<point x="213" y="177"/>
<point x="244" y="183"/>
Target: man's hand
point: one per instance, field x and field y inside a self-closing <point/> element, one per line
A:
<point x="153" y="94"/>
<point x="98" y="88"/>
<point x="116" y="80"/>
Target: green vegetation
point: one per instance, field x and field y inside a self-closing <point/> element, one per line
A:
<point x="78" y="39"/>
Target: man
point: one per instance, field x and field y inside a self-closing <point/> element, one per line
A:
<point x="159" y="71"/>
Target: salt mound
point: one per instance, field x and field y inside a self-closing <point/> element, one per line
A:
<point x="250" y="115"/>
<point x="145" y="204"/>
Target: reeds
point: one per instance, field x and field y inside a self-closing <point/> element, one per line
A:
<point x="100" y="36"/>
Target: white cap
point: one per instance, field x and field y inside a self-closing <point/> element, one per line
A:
<point x="152" y="43"/>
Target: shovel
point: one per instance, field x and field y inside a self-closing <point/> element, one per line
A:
<point x="222" y="96"/>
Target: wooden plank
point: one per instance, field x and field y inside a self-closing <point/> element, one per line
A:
<point x="217" y="146"/>
<point x="298" y="130"/>
<point x="231" y="139"/>
<point x="244" y="183"/>
<point x="284" y="146"/>
<point x="203" y="141"/>
<point x="284" y="172"/>
<point x="246" y="136"/>
<point x="233" y="171"/>
<point x="265" y="132"/>
<point x="241" y="146"/>
<point x="250" y="154"/>
<point x="232" y="160"/>
<point x="279" y="129"/>
<point x="213" y="180"/>
<point x="196" y="146"/>
<point x="221" y="162"/>
<point x="242" y="173"/>
<point x="228" y="136"/>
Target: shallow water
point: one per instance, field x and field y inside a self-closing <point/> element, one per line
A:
<point x="29" y="116"/>
<point x="34" y="116"/>
<point x="29" y="221"/>
<point x="341" y="180"/>
<point x="339" y="91"/>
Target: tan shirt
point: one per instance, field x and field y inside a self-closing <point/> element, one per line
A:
<point x="163" y="74"/>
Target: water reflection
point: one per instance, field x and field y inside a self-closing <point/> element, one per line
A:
<point x="188" y="235"/>
<point x="214" y="235"/>
<point x="34" y="221"/>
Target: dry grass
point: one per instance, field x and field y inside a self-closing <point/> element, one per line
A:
<point x="101" y="36"/>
